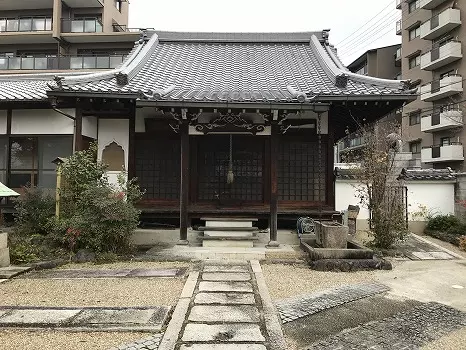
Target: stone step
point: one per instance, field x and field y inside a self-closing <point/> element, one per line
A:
<point x="228" y="243"/>
<point x="223" y="228"/>
<point x="224" y="314"/>
<point x="225" y="298"/>
<point x="234" y="218"/>
<point x="230" y="332"/>
<point x="229" y="222"/>
<point x="229" y="238"/>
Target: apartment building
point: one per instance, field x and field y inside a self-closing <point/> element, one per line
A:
<point x="432" y="35"/>
<point x="56" y="35"/>
<point x="383" y="62"/>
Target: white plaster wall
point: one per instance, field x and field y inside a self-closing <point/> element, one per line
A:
<point x="42" y="122"/>
<point x="346" y="193"/>
<point x="90" y="127"/>
<point x="435" y="197"/>
<point x="113" y="130"/>
<point x="3" y="118"/>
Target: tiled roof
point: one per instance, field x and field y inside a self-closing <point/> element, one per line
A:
<point x="347" y="173"/>
<point x="23" y="90"/>
<point x="224" y="67"/>
<point x="263" y="67"/>
<point x="427" y="174"/>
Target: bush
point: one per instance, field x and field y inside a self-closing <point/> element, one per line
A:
<point x="443" y="222"/>
<point x="457" y="230"/>
<point x="33" y="211"/>
<point x="96" y="215"/>
<point x="462" y="244"/>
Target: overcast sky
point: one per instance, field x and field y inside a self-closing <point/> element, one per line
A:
<point x="343" y="17"/>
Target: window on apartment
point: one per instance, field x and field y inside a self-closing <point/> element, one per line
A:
<point x="118" y="4"/>
<point x="445" y="141"/>
<point x="362" y="70"/>
<point x="447" y="74"/>
<point x="414" y="5"/>
<point x="415" y="147"/>
<point x="415" y="118"/>
<point x="414" y="33"/>
<point x="414" y="61"/>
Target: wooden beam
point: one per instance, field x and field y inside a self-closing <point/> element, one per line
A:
<point x="273" y="243"/>
<point x="78" y="130"/>
<point x="184" y="186"/>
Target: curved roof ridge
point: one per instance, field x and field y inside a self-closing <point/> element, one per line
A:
<point x="240" y="37"/>
<point x="337" y="75"/>
<point x="131" y="65"/>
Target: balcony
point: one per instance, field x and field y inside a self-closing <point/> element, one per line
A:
<point x="351" y="143"/>
<point x="441" y="56"/>
<point x="430" y="4"/>
<point x="84" y="3"/>
<point x="398" y="4"/>
<point x="25" y="24"/>
<point x="444" y="120"/>
<point x="398" y="27"/>
<point x="442" y="153"/>
<point x="15" y="5"/>
<point x="440" y="24"/>
<point x="81" y="25"/>
<point x="61" y="63"/>
<point x="447" y="86"/>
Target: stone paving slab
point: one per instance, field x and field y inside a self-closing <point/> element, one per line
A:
<point x="223" y="347"/>
<point x="406" y="330"/>
<point x="433" y="255"/>
<point x="132" y="318"/>
<point x="30" y="317"/>
<point x="224" y="314"/>
<point x="226" y="276"/>
<point x="244" y="287"/>
<point x="291" y="309"/>
<point x="233" y="332"/>
<point x="12" y="271"/>
<point x="110" y="273"/>
<point x="225" y="298"/>
<point x="226" y="268"/>
<point x="149" y="343"/>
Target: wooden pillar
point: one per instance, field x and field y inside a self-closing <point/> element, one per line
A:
<point x="330" y="178"/>
<point x="78" y="130"/>
<point x="273" y="243"/>
<point x="184" y="187"/>
<point x="132" y="144"/>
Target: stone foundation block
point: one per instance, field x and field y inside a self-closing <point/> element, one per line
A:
<point x="4" y="257"/>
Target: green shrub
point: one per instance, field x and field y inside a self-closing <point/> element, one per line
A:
<point x="442" y="222"/>
<point x="34" y="208"/>
<point x="457" y="230"/>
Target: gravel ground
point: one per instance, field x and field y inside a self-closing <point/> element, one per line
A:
<point x="453" y="341"/>
<point x="128" y="265"/>
<point x="91" y="292"/>
<point x="286" y="281"/>
<point x="49" y="339"/>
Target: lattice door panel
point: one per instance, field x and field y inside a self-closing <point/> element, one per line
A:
<point x="248" y="165"/>
<point x="300" y="176"/>
<point x="158" y="167"/>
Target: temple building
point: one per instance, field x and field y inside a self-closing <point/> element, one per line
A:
<point x="211" y="124"/>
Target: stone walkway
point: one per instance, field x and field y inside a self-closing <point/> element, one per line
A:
<point x="407" y="330"/>
<point x="225" y="306"/>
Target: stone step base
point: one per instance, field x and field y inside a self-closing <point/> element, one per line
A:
<point x="228" y="243"/>
<point x="228" y="234"/>
<point x="229" y="222"/>
<point x="3" y="240"/>
<point x="216" y="228"/>
<point x="4" y="257"/>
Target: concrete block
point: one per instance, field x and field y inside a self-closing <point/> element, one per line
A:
<point x="227" y="233"/>
<point x="242" y="287"/>
<point x="4" y="257"/>
<point x="331" y="234"/>
<point x="228" y="223"/>
<point x="3" y="240"/>
<point x="37" y="316"/>
<point x="226" y="276"/>
<point x="225" y="298"/>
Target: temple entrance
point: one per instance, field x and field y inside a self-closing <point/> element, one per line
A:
<point x="231" y="169"/>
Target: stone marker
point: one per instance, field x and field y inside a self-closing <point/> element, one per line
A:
<point x="226" y="276"/>
<point x="4" y="250"/>
<point x="225" y="298"/>
<point x="197" y="332"/>
<point x="224" y="314"/>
